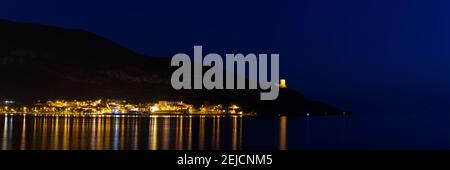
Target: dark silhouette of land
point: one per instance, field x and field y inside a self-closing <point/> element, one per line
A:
<point x="39" y="62"/>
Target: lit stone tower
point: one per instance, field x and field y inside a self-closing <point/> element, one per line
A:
<point x="283" y="84"/>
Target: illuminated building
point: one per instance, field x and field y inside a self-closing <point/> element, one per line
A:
<point x="283" y="84"/>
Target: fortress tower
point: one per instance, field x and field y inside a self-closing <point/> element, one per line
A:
<point x="283" y="84"/>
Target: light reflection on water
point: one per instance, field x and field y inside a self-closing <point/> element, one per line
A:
<point x="415" y="131"/>
<point x="129" y="132"/>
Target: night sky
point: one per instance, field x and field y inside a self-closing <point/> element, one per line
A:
<point x="370" y="56"/>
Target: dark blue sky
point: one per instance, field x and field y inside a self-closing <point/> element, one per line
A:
<point x="382" y="56"/>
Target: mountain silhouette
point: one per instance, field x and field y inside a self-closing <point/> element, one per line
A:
<point x="39" y="62"/>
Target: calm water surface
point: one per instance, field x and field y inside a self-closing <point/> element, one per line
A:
<point x="216" y="132"/>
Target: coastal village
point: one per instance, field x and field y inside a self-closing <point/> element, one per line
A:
<point x="121" y="107"/>
<point x="114" y="107"/>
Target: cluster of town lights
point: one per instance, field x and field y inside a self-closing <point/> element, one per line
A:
<point x="118" y="107"/>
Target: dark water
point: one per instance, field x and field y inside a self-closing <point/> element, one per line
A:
<point x="200" y="132"/>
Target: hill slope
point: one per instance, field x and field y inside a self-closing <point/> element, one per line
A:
<point x="42" y="62"/>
